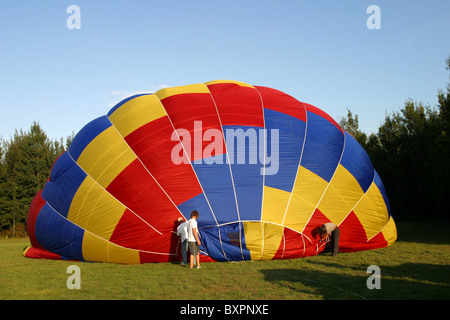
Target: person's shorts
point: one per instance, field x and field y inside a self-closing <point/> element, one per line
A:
<point x="193" y="247"/>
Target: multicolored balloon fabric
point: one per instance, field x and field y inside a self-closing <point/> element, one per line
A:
<point x="263" y="170"/>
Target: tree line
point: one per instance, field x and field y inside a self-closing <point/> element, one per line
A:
<point x="25" y="163"/>
<point x="410" y="151"/>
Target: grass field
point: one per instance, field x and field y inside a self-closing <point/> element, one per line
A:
<point x="417" y="266"/>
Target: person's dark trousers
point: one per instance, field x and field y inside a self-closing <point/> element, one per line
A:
<point x="334" y="241"/>
<point x="184" y="245"/>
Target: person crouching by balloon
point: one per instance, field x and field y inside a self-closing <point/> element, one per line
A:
<point x="329" y="232"/>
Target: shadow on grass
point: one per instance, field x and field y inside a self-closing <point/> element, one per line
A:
<point x="408" y="281"/>
<point x="315" y="283"/>
<point x="416" y="272"/>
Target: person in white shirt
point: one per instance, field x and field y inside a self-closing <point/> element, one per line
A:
<point x="330" y="232"/>
<point x="182" y="232"/>
<point x="194" y="240"/>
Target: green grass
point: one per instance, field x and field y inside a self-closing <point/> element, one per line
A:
<point x="417" y="266"/>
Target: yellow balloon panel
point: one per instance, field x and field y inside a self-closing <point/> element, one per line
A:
<point x="307" y="192"/>
<point x="95" y="210"/>
<point x="274" y="204"/>
<point x="137" y="112"/>
<point x="98" y="249"/>
<point x="262" y="239"/>
<point x="106" y="156"/>
<point x="341" y="196"/>
<point x="371" y="211"/>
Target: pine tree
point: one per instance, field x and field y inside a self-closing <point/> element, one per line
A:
<point x="26" y="163"/>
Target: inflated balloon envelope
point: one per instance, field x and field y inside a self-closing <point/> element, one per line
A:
<point x="263" y="170"/>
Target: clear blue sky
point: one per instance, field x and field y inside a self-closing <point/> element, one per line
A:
<point x="320" y="52"/>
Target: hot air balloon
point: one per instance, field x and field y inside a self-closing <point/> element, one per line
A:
<point x="263" y="170"/>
